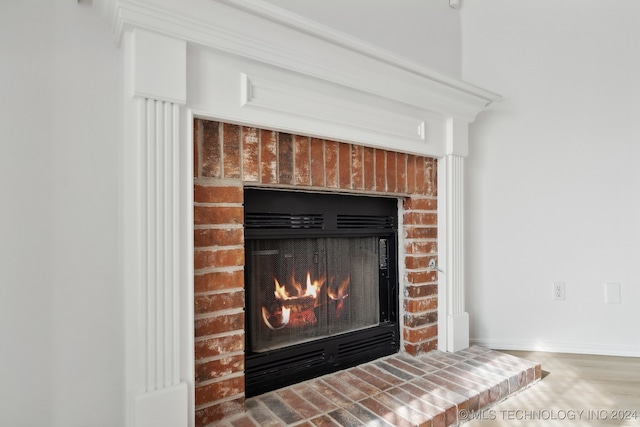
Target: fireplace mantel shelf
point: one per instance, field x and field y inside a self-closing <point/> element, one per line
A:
<point x="216" y="24"/>
<point x="250" y="63"/>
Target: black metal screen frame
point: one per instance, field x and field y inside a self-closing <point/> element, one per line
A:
<point x="274" y="214"/>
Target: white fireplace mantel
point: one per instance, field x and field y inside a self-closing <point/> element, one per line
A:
<point x="248" y="62"/>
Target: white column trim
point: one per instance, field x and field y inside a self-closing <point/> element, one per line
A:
<point x="156" y="393"/>
<point x="457" y="318"/>
<point x="455" y="334"/>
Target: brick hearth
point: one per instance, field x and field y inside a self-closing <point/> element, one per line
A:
<point x="229" y="157"/>
<point x="434" y="389"/>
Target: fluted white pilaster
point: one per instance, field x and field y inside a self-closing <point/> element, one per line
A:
<point x="455" y="233"/>
<point x="160" y="217"/>
<point x="157" y="395"/>
<point x="451" y="181"/>
<point x="457" y="318"/>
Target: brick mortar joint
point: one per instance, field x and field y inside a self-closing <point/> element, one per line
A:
<point x="423" y="341"/>
<point x="421" y="327"/>
<point x="212" y="181"/>
<point x="230" y="354"/>
<point x="228" y="226"/>
<point x="219" y="292"/>
<point x="217" y="248"/>
<point x="418" y="201"/>
<point x="218" y="204"/>
<point x="421" y="284"/>
<point x="419" y="313"/>
<point x="220" y="335"/>
<point x="220" y="401"/>
<point x="220" y="379"/>
<point x="226" y="269"/>
<point x="419" y="211"/>
<point x="218" y="313"/>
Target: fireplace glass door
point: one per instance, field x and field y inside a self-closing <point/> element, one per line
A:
<point x="321" y="284"/>
<point x="307" y="289"/>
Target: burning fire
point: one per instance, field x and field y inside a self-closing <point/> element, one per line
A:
<point x="340" y="291"/>
<point x="339" y="294"/>
<point x="311" y="289"/>
<point x="297" y="308"/>
<point x="294" y="308"/>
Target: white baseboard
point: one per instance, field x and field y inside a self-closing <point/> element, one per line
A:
<point x="559" y="347"/>
<point x="167" y="407"/>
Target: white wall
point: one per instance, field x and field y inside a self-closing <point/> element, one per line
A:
<point x="25" y="229"/>
<point x="553" y="174"/>
<point x="426" y="31"/>
<point x="61" y="357"/>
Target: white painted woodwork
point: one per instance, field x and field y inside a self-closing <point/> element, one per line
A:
<point x="265" y="34"/>
<point x="452" y="258"/>
<point x="159" y="67"/>
<point x="151" y="231"/>
<point x="163" y="407"/>
<point x="249" y="62"/>
<point x="159" y="172"/>
<point x="247" y="92"/>
<point x="293" y="100"/>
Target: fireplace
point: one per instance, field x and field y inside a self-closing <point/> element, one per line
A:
<point x="321" y="280"/>
<point x="185" y="293"/>
<point x="263" y="197"/>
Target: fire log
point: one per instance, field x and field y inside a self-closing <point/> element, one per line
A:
<point x="300" y="304"/>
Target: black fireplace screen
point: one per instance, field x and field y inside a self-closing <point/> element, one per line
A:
<point x="321" y="284"/>
<point x="312" y="288"/>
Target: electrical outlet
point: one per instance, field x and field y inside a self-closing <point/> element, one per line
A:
<point x="558" y="291"/>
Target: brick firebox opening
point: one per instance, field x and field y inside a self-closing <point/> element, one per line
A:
<point x="226" y="158"/>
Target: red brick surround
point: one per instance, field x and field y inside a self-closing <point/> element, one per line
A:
<point x="227" y="157"/>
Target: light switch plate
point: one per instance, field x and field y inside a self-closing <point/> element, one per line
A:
<point x="612" y="294"/>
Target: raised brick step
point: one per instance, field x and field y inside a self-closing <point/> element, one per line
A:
<point x="434" y="389"/>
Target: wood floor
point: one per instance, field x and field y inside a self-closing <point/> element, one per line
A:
<point x="575" y="390"/>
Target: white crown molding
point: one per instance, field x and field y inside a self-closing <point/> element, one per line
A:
<point x="262" y="32"/>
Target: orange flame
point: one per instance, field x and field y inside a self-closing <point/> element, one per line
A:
<point x="340" y="291"/>
<point x="339" y="294"/>
<point x="295" y="308"/>
<point x="280" y="292"/>
<point x="311" y="288"/>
